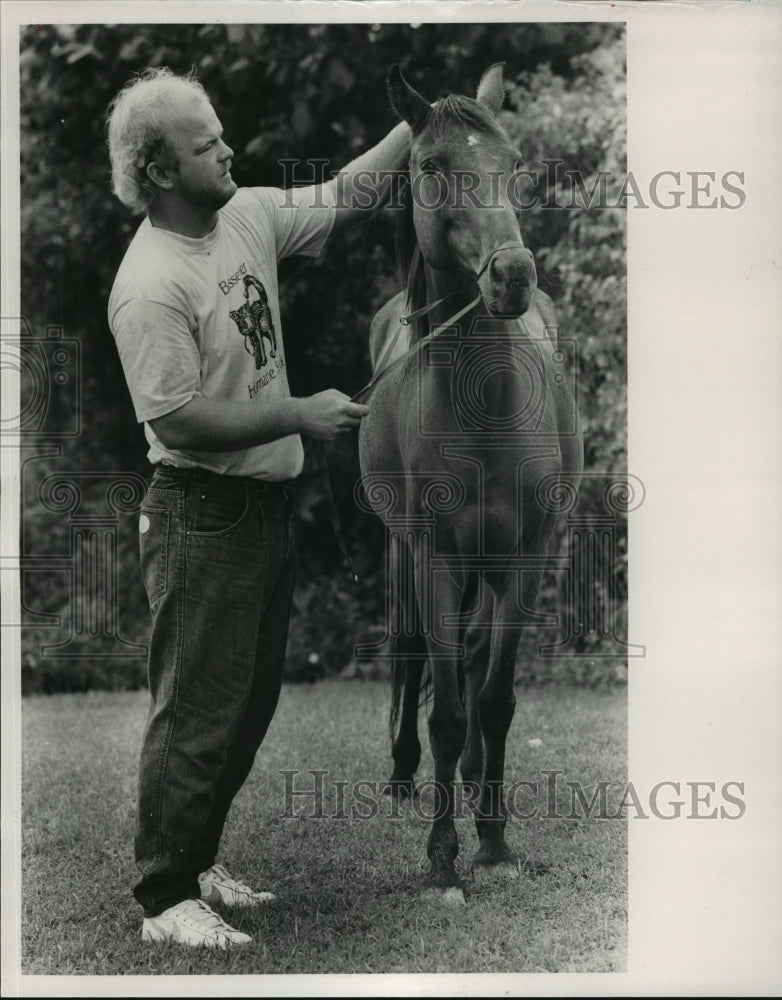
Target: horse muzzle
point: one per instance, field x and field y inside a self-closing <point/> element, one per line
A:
<point x="507" y="279"/>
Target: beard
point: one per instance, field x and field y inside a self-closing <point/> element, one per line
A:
<point x="210" y="197"/>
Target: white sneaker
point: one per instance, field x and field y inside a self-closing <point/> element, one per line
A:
<point x="217" y="886"/>
<point x="193" y="923"/>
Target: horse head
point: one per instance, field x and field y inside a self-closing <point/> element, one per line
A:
<point x="462" y="166"/>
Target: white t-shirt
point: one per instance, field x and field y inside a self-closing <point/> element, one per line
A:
<point x="201" y="317"/>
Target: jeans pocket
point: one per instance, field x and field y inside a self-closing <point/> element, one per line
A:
<point x="153" y="526"/>
<point x="213" y="510"/>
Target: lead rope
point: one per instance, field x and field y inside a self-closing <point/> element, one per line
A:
<point x="320" y="446"/>
<point x="365" y="392"/>
<point x="323" y="467"/>
<point x="404" y="321"/>
<point x="383" y="369"/>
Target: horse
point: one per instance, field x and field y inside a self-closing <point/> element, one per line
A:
<point x="470" y="428"/>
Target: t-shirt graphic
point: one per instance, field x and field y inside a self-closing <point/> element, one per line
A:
<point x="255" y="322"/>
<point x="200" y="316"/>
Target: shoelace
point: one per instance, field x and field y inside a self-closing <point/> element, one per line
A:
<point x="231" y="882"/>
<point x="202" y="918"/>
<point x="219" y="870"/>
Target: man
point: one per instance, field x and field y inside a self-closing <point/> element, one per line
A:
<point x="195" y="314"/>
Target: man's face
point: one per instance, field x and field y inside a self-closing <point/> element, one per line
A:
<point x="202" y="175"/>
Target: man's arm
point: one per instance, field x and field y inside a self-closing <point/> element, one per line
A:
<point x="224" y="425"/>
<point x="361" y="187"/>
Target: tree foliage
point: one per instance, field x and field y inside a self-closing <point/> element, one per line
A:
<point x="298" y="91"/>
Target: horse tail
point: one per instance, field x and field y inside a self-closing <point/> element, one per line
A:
<point x="398" y="672"/>
<point x="409" y="665"/>
<point x="427" y="686"/>
<point x="408" y="647"/>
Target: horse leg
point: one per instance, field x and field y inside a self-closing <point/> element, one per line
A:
<point x="447" y="731"/>
<point x="496" y="705"/>
<point x="471" y="765"/>
<point x="406" y="749"/>
<point x="408" y="652"/>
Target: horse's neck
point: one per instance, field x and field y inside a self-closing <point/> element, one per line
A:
<point x="511" y="386"/>
<point x="456" y="294"/>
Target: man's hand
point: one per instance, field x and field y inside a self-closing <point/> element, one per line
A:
<point x="373" y="170"/>
<point x="327" y="414"/>
<point x="227" y="425"/>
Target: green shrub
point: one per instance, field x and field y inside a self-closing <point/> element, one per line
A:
<point x="286" y="91"/>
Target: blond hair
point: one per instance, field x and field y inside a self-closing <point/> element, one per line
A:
<point x="136" y="120"/>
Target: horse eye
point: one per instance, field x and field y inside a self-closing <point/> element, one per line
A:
<point x="429" y="167"/>
<point x="517" y="166"/>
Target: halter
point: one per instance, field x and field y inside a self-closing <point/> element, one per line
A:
<point x="383" y="369"/>
<point x="508" y="245"/>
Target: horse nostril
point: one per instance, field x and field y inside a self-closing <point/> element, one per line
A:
<point x="511" y="268"/>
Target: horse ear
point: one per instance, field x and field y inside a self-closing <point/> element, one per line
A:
<point x="491" y="90"/>
<point x="406" y="101"/>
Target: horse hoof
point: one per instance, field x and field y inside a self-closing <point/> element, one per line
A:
<point x="450" y="897"/>
<point x="454" y="896"/>
<point x="501" y="871"/>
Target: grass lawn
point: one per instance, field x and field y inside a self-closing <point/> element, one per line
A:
<point x="348" y="889"/>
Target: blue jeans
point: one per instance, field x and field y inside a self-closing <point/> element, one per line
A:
<point x="218" y="557"/>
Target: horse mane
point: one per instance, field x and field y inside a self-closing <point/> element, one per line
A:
<point x="454" y="109"/>
<point x="406" y="245"/>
